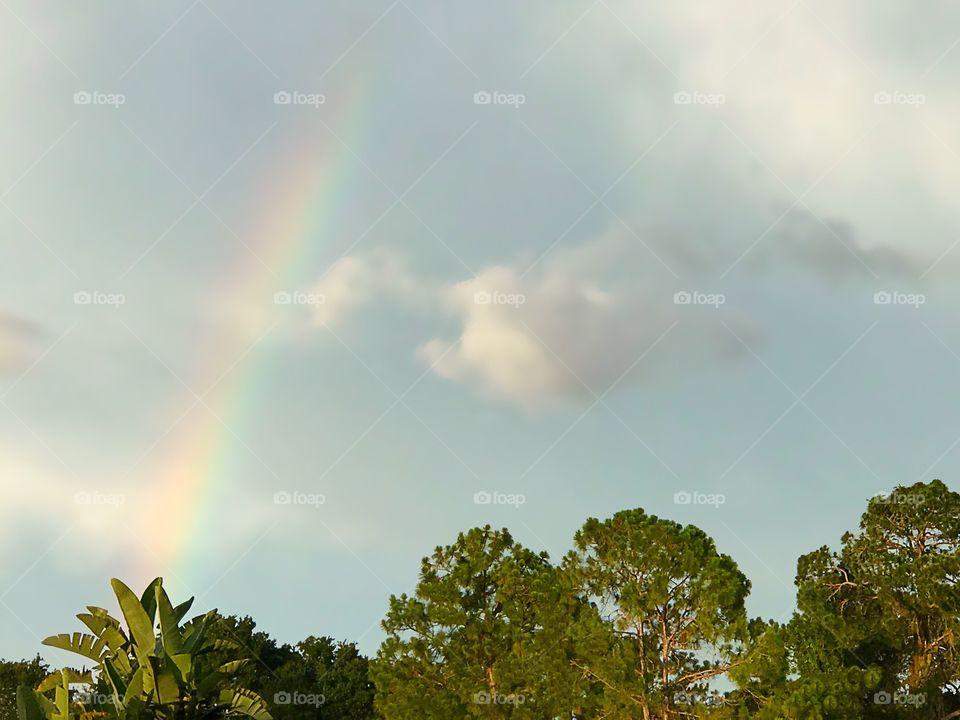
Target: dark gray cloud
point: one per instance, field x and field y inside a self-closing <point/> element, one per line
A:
<point x="832" y="249"/>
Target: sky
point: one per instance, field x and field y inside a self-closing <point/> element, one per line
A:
<point x="291" y="293"/>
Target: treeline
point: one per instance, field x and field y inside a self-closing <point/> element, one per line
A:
<point x="643" y="619"/>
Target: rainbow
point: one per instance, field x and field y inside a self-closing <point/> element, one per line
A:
<point x="300" y="210"/>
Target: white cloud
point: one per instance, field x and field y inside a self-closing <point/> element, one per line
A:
<point x="572" y="327"/>
<point x="37" y="496"/>
<point x="354" y="281"/>
<point x="800" y="114"/>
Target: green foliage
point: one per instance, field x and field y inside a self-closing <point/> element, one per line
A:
<point x="876" y="629"/>
<point x="644" y="618"/>
<point x="142" y="674"/>
<point x="470" y="642"/>
<point x="672" y="609"/>
<point x="13" y="674"/>
<point x="317" y="678"/>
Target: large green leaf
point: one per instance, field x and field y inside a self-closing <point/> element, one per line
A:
<point x="102" y="613"/>
<point x="49" y="709"/>
<point x="50" y="682"/>
<point x="80" y="643"/>
<point x="168" y="688"/>
<point x="134" y="688"/>
<point x="108" y="629"/>
<point x="169" y="630"/>
<point x="134" y="709"/>
<point x="245" y="702"/>
<point x="181" y="610"/>
<point x="194" y="631"/>
<point x="138" y="620"/>
<point x="183" y="663"/>
<point x="28" y="705"/>
<point x="149" y="599"/>
<point x="224" y="644"/>
<point x="232" y="667"/>
<point x="117" y="682"/>
<point x="62" y="703"/>
<point x="59" y="677"/>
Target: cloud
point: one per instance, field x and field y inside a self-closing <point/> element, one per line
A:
<point x="18" y="343"/>
<point x="355" y="281"/>
<point x="37" y="496"/>
<point x="589" y="318"/>
<point x="833" y="250"/>
<point x="801" y="119"/>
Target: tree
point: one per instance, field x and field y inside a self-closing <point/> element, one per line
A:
<point x="317" y="678"/>
<point x="13" y="674"/>
<point x="471" y="641"/>
<point x="342" y="674"/>
<point x="276" y="673"/>
<point x="142" y="673"/>
<point x="673" y="611"/>
<point x="878" y="622"/>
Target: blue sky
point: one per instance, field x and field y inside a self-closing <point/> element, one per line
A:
<point x="551" y="262"/>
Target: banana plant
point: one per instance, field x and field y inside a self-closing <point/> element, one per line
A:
<point x="148" y="667"/>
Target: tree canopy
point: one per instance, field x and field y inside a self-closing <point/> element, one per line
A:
<point x="644" y="619"/>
